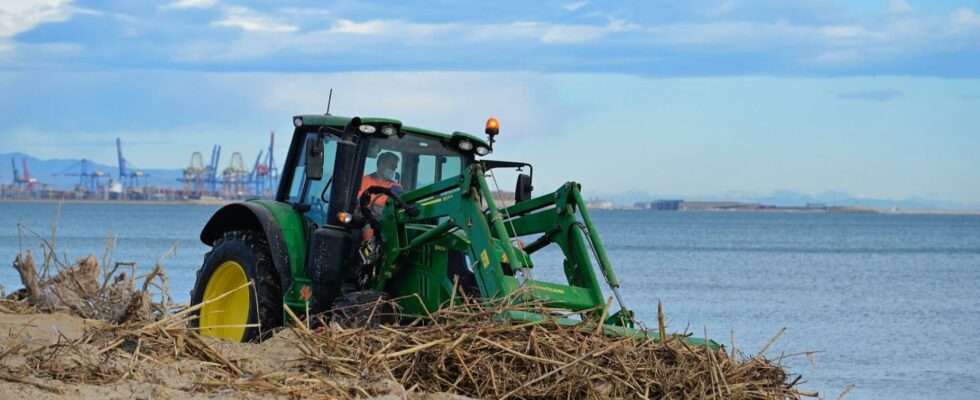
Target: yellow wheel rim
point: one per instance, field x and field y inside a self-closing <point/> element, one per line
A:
<point x="226" y="317"/>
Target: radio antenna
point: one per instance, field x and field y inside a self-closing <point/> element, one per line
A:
<point x="329" y="99"/>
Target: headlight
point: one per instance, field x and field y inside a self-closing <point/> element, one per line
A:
<point x="465" y="145"/>
<point x="387" y="130"/>
<point x="298" y="122"/>
<point x="482" y="150"/>
<point x="344" y="218"/>
<point x="367" y="129"/>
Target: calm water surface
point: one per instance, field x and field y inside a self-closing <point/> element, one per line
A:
<point x="892" y="302"/>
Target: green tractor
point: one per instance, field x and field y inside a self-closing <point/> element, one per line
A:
<point x="368" y="208"/>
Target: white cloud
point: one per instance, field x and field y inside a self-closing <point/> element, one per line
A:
<point x="372" y="27"/>
<point x="822" y="45"/>
<point x="18" y="16"/>
<point x="572" y="34"/>
<point x="899" y="7"/>
<point x="728" y="36"/>
<point x="436" y="100"/>
<point x="304" y="11"/>
<point x="452" y="32"/>
<point x="965" y="18"/>
<point x="842" y="57"/>
<point x="394" y="29"/>
<point x="186" y="4"/>
<point x="247" y="19"/>
<point x="842" y="43"/>
<point x="583" y="33"/>
<point x="721" y="35"/>
<point x="574" y="6"/>
<point x="722" y="8"/>
<point x="843" y="31"/>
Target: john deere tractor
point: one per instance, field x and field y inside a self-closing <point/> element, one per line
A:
<point x="333" y="236"/>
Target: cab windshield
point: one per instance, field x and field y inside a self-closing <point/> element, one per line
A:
<point x="410" y="162"/>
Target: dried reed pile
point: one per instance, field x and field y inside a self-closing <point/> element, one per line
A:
<point x="462" y="350"/>
<point x="81" y="289"/>
<point x="169" y="360"/>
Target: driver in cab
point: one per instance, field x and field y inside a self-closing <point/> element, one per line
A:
<point x="384" y="176"/>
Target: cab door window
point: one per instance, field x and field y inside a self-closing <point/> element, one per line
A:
<point x="314" y="193"/>
<point x="298" y="181"/>
<point x="432" y="169"/>
<point x="318" y="192"/>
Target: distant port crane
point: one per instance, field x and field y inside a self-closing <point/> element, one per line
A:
<point x="89" y="177"/>
<point x="24" y="181"/>
<point x="129" y="175"/>
<point x="234" y="178"/>
<point x="212" y="172"/>
<point x="265" y="176"/>
<point x="199" y="179"/>
<point x="13" y="166"/>
<point x="234" y="181"/>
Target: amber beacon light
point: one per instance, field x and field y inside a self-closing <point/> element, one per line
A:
<point x="493" y="127"/>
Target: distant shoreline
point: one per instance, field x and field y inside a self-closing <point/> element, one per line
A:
<point x="868" y="211"/>
<point x="204" y="202"/>
<point x="931" y="212"/>
<point x="221" y="202"/>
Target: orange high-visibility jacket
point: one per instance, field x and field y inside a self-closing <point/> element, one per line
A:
<point x="377" y="200"/>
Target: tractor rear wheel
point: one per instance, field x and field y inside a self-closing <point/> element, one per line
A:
<point x="233" y="309"/>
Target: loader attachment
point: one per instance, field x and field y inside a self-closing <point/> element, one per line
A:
<point x="460" y="214"/>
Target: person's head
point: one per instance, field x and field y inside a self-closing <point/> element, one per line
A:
<point x="387" y="164"/>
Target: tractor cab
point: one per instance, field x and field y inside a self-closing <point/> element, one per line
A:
<point x="333" y="160"/>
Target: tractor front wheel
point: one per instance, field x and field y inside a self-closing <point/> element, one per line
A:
<point x="241" y="295"/>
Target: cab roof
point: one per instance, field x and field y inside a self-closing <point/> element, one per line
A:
<point x="340" y="121"/>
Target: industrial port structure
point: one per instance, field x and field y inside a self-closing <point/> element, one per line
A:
<point x="235" y="181"/>
<point x="198" y="181"/>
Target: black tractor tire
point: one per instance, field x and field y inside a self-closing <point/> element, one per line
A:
<point x="363" y="309"/>
<point x="250" y="250"/>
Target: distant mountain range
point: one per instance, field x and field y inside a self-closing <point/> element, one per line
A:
<point x="55" y="172"/>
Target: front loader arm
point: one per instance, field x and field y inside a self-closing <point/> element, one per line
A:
<point x="457" y="203"/>
<point x="465" y="203"/>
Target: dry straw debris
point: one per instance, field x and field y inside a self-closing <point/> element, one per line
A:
<point x="81" y="289"/>
<point x="465" y="350"/>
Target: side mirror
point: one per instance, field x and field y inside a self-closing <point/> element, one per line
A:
<point x="314" y="158"/>
<point x="524" y="188"/>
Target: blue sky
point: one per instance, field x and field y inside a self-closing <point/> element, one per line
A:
<point x="690" y="98"/>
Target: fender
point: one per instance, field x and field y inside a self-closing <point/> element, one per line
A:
<point x="283" y="228"/>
